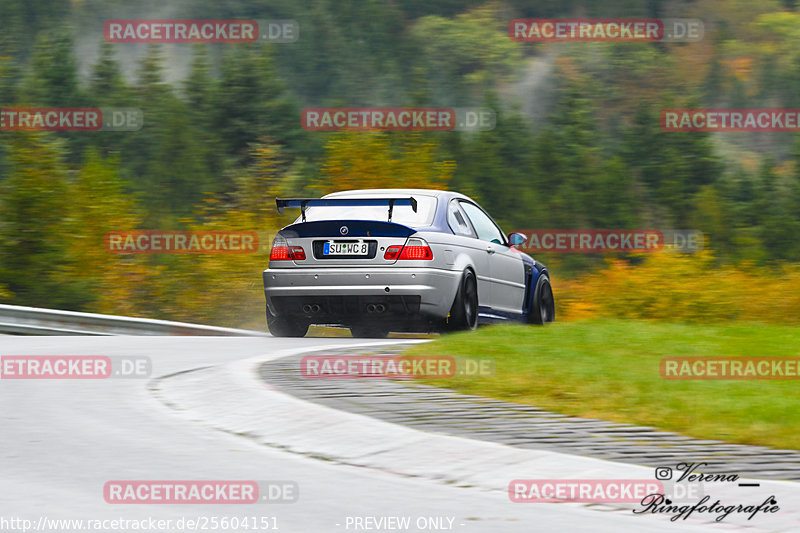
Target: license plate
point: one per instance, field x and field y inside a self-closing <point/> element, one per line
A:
<point x="345" y="248"/>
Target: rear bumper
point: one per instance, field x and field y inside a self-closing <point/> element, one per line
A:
<point x="427" y="292"/>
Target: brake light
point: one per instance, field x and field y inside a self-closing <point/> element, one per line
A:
<point x="281" y="251"/>
<point x="417" y="253"/>
<point x="414" y="250"/>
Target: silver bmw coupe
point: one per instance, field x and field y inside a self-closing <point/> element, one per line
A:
<point x="383" y="260"/>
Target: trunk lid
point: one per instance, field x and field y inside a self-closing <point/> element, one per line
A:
<point x="337" y="243"/>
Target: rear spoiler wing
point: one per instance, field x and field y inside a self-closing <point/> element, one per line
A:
<point x="302" y="203"/>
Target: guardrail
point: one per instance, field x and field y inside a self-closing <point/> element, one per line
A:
<point x="35" y="321"/>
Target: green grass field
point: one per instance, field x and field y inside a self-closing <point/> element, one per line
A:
<point x="609" y="369"/>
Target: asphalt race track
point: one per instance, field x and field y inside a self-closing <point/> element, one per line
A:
<point x="62" y="440"/>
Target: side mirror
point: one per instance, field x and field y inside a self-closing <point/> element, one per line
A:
<point x="515" y="239"/>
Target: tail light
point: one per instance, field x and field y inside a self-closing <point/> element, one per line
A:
<point x="393" y="252"/>
<point x="281" y="251"/>
<point x="297" y="253"/>
<point x="414" y="250"/>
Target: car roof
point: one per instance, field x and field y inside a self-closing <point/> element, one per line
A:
<point x="398" y="192"/>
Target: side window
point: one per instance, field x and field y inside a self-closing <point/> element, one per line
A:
<point x="456" y="220"/>
<point x="486" y="229"/>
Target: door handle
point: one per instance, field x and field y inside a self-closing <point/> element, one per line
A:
<point x="489" y="250"/>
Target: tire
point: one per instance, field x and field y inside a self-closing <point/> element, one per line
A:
<point x="282" y="326"/>
<point x="368" y="331"/>
<point x="464" y="313"/>
<point x="544" y="304"/>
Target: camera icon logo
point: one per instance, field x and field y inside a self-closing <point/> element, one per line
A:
<point x="663" y="473"/>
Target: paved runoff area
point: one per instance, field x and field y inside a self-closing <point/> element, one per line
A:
<point x="421" y="406"/>
<point x="416" y="431"/>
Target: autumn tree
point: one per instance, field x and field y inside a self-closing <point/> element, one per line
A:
<point x="359" y="160"/>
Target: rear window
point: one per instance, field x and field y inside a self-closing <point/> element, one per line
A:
<point x="401" y="214"/>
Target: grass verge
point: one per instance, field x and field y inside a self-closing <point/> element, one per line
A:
<point x="609" y="369"/>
